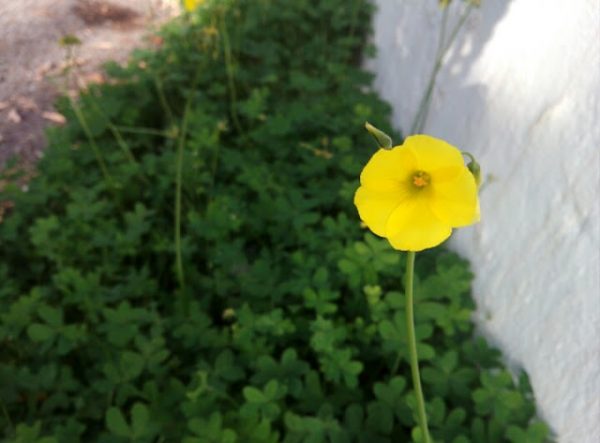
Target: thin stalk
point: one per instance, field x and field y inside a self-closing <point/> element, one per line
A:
<point x="443" y="47"/>
<point x="178" y="191"/>
<point x="143" y="131"/>
<point x="6" y="415"/>
<point x="223" y="395"/>
<point x="113" y="129"/>
<point x="82" y="121"/>
<point x="122" y="143"/>
<point x="162" y="98"/>
<point x="412" y="346"/>
<point x="115" y="132"/>
<point x="89" y="306"/>
<point x="230" y="77"/>
<point x="353" y="17"/>
<point x="124" y="146"/>
<point x="419" y="120"/>
<point x="396" y="364"/>
<point x="459" y="24"/>
<point x="178" y="187"/>
<point x="214" y="167"/>
<point x="86" y="129"/>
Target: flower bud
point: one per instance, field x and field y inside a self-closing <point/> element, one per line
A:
<point x="69" y="40"/>
<point x="228" y="314"/>
<point x="383" y="140"/>
<point x="474" y="167"/>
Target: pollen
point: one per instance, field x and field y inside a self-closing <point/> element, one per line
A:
<point x="421" y="179"/>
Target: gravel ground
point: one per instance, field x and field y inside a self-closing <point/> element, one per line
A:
<point x="31" y="58"/>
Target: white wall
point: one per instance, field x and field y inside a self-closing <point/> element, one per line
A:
<point x="521" y="90"/>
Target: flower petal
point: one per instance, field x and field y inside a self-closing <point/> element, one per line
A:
<point x="455" y="202"/>
<point x="375" y="207"/>
<point x="387" y="170"/>
<point x="439" y="159"/>
<point x="412" y="226"/>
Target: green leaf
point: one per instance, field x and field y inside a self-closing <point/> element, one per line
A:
<point x="380" y="418"/>
<point x="116" y="423"/>
<point x="131" y="365"/>
<point x="140" y="418"/>
<point x="448" y="361"/>
<point x="40" y="332"/>
<point x="354" y="417"/>
<point x="52" y="316"/>
<point x="226" y="368"/>
<point x="456" y="417"/>
<point x="271" y="389"/>
<point x="254" y="395"/>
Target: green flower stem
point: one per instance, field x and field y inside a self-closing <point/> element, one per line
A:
<point x="144" y="131"/>
<point x="6" y="415"/>
<point x="112" y="127"/>
<point x="229" y="69"/>
<point x="182" y="133"/>
<point x="443" y="47"/>
<point x="412" y="346"/>
<point x="88" y="133"/>
<point x="82" y="120"/>
<point x="162" y="98"/>
<point x="178" y="180"/>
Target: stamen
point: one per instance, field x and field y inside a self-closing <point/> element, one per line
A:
<point x="420" y="179"/>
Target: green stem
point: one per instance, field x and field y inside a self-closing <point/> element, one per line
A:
<point x="223" y="395"/>
<point x="459" y="25"/>
<point x="178" y="191"/>
<point x="443" y="47"/>
<point x="213" y="172"/>
<point x="230" y="77"/>
<point x="421" y="116"/>
<point x="353" y="17"/>
<point x="9" y="422"/>
<point x="122" y="143"/>
<point x="178" y="187"/>
<point x="82" y="121"/>
<point x="144" y="131"/>
<point x="412" y="346"/>
<point x="86" y="129"/>
<point x="162" y="98"/>
<point x="114" y="131"/>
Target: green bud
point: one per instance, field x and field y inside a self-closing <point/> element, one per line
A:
<point x="69" y="40"/>
<point x="474" y="167"/>
<point x="383" y="140"/>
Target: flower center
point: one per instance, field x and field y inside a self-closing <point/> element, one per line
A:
<point x="420" y="179"/>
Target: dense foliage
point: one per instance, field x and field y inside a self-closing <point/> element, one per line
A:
<point x="286" y="323"/>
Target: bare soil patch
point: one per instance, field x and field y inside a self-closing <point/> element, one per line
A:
<point x="98" y="12"/>
<point x="31" y="58"/>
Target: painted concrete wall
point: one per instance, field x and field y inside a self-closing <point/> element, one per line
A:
<point x="521" y="90"/>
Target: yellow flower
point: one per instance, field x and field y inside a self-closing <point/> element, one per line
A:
<point x="414" y="194"/>
<point x="190" y="5"/>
